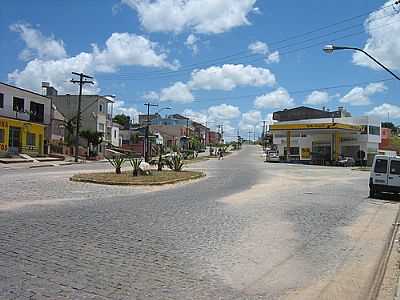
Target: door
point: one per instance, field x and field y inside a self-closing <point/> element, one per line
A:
<point x="380" y="174"/>
<point x="14" y="140"/>
<point x="394" y="175"/>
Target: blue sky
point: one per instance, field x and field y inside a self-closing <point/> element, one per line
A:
<point x="220" y="61"/>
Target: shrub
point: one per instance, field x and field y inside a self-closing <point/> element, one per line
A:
<point x="175" y="163"/>
<point x="116" y="162"/>
<point x="135" y="163"/>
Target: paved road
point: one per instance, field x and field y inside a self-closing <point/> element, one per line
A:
<point x="249" y="230"/>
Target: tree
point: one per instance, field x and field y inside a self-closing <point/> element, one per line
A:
<point x="391" y="126"/>
<point x="122" y="120"/>
<point x="92" y="137"/>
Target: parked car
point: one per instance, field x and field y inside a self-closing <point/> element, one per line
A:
<point x="385" y="175"/>
<point x="346" y="162"/>
<point x="272" y="156"/>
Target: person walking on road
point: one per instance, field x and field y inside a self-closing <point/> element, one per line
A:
<point x="220" y="154"/>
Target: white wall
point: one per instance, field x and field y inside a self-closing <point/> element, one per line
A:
<point x="10" y="92"/>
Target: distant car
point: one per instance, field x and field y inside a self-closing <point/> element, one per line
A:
<point x="346" y="162"/>
<point x="385" y="175"/>
<point x="272" y="156"/>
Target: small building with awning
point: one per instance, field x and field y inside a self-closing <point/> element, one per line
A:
<point x="325" y="139"/>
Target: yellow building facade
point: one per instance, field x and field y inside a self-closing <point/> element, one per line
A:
<point x="19" y="136"/>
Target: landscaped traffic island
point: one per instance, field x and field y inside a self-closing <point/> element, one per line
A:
<point x="126" y="178"/>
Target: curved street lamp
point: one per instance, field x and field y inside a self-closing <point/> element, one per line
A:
<point x="330" y="48"/>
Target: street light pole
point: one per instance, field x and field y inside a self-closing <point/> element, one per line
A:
<point x="330" y="48"/>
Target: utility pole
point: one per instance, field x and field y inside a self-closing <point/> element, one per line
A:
<point x="221" y="130"/>
<point x="264" y="129"/>
<point x="81" y="82"/>
<point x="238" y="137"/>
<point x="146" y="138"/>
<point x="263" y="133"/>
<point x="249" y="136"/>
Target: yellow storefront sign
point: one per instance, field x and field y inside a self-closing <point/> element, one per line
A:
<point x="21" y="136"/>
<point x="314" y="126"/>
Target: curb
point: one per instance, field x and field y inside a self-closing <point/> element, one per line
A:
<point x="382" y="265"/>
<point x="172" y="181"/>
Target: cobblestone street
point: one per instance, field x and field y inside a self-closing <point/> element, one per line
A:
<point x="249" y="230"/>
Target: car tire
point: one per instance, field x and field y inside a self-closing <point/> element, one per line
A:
<point x="372" y="192"/>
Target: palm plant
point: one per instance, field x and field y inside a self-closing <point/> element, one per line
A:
<point x="175" y="163"/>
<point x="135" y="163"/>
<point x="116" y="162"/>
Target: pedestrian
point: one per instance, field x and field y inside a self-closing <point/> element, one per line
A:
<point x="220" y="154"/>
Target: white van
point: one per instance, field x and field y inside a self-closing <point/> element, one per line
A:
<point x="385" y="175"/>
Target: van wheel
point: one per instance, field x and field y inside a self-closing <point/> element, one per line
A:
<point x="372" y="193"/>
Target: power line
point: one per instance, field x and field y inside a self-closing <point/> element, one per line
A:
<point x="239" y="55"/>
<point x="171" y="74"/>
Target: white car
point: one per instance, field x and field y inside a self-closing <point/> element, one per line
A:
<point x="272" y="156"/>
<point x="385" y="175"/>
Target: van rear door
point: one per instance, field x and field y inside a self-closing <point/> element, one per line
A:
<point x="380" y="172"/>
<point x="394" y="175"/>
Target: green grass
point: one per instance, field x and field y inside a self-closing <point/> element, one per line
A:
<point x="126" y="178"/>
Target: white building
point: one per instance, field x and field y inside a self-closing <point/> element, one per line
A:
<point x="326" y="139"/>
<point x="24" y="118"/>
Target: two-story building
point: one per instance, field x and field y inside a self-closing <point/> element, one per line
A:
<point x="24" y="117"/>
<point x="96" y="115"/>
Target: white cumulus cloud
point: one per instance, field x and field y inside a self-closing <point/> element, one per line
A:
<point x="262" y="48"/>
<point x="191" y="43"/>
<point x="126" y="49"/>
<point x="382" y="26"/>
<point x="230" y="76"/>
<point x="259" y="47"/>
<point x="223" y="112"/>
<point x="277" y="99"/>
<point x="359" y="96"/>
<point x="38" y="45"/>
<point x="122" y="49"/>
<point x="120" y="107"/>
<point x="251" y="120"/>
<point x="317" y="98"/>
<point x="201" y="16"/>
<point x="385" y="110"/>
<point x="178" y="92"/>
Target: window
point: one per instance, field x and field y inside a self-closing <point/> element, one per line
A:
<point x="101" y="107"/>
<point x="1" y="135"/>
<point x="115" y="134"/>
<point x="364" y="129"/>
<point x="381" y="166"/>
<point x="395" y="167"/>
<point x="374" y="130"/>
<point x="1" y="100"/>
<point x="31" y="139"/>
<point x="18" y="104"/>
<point x="101" y="127"/>
<point x="36" y="112"/>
